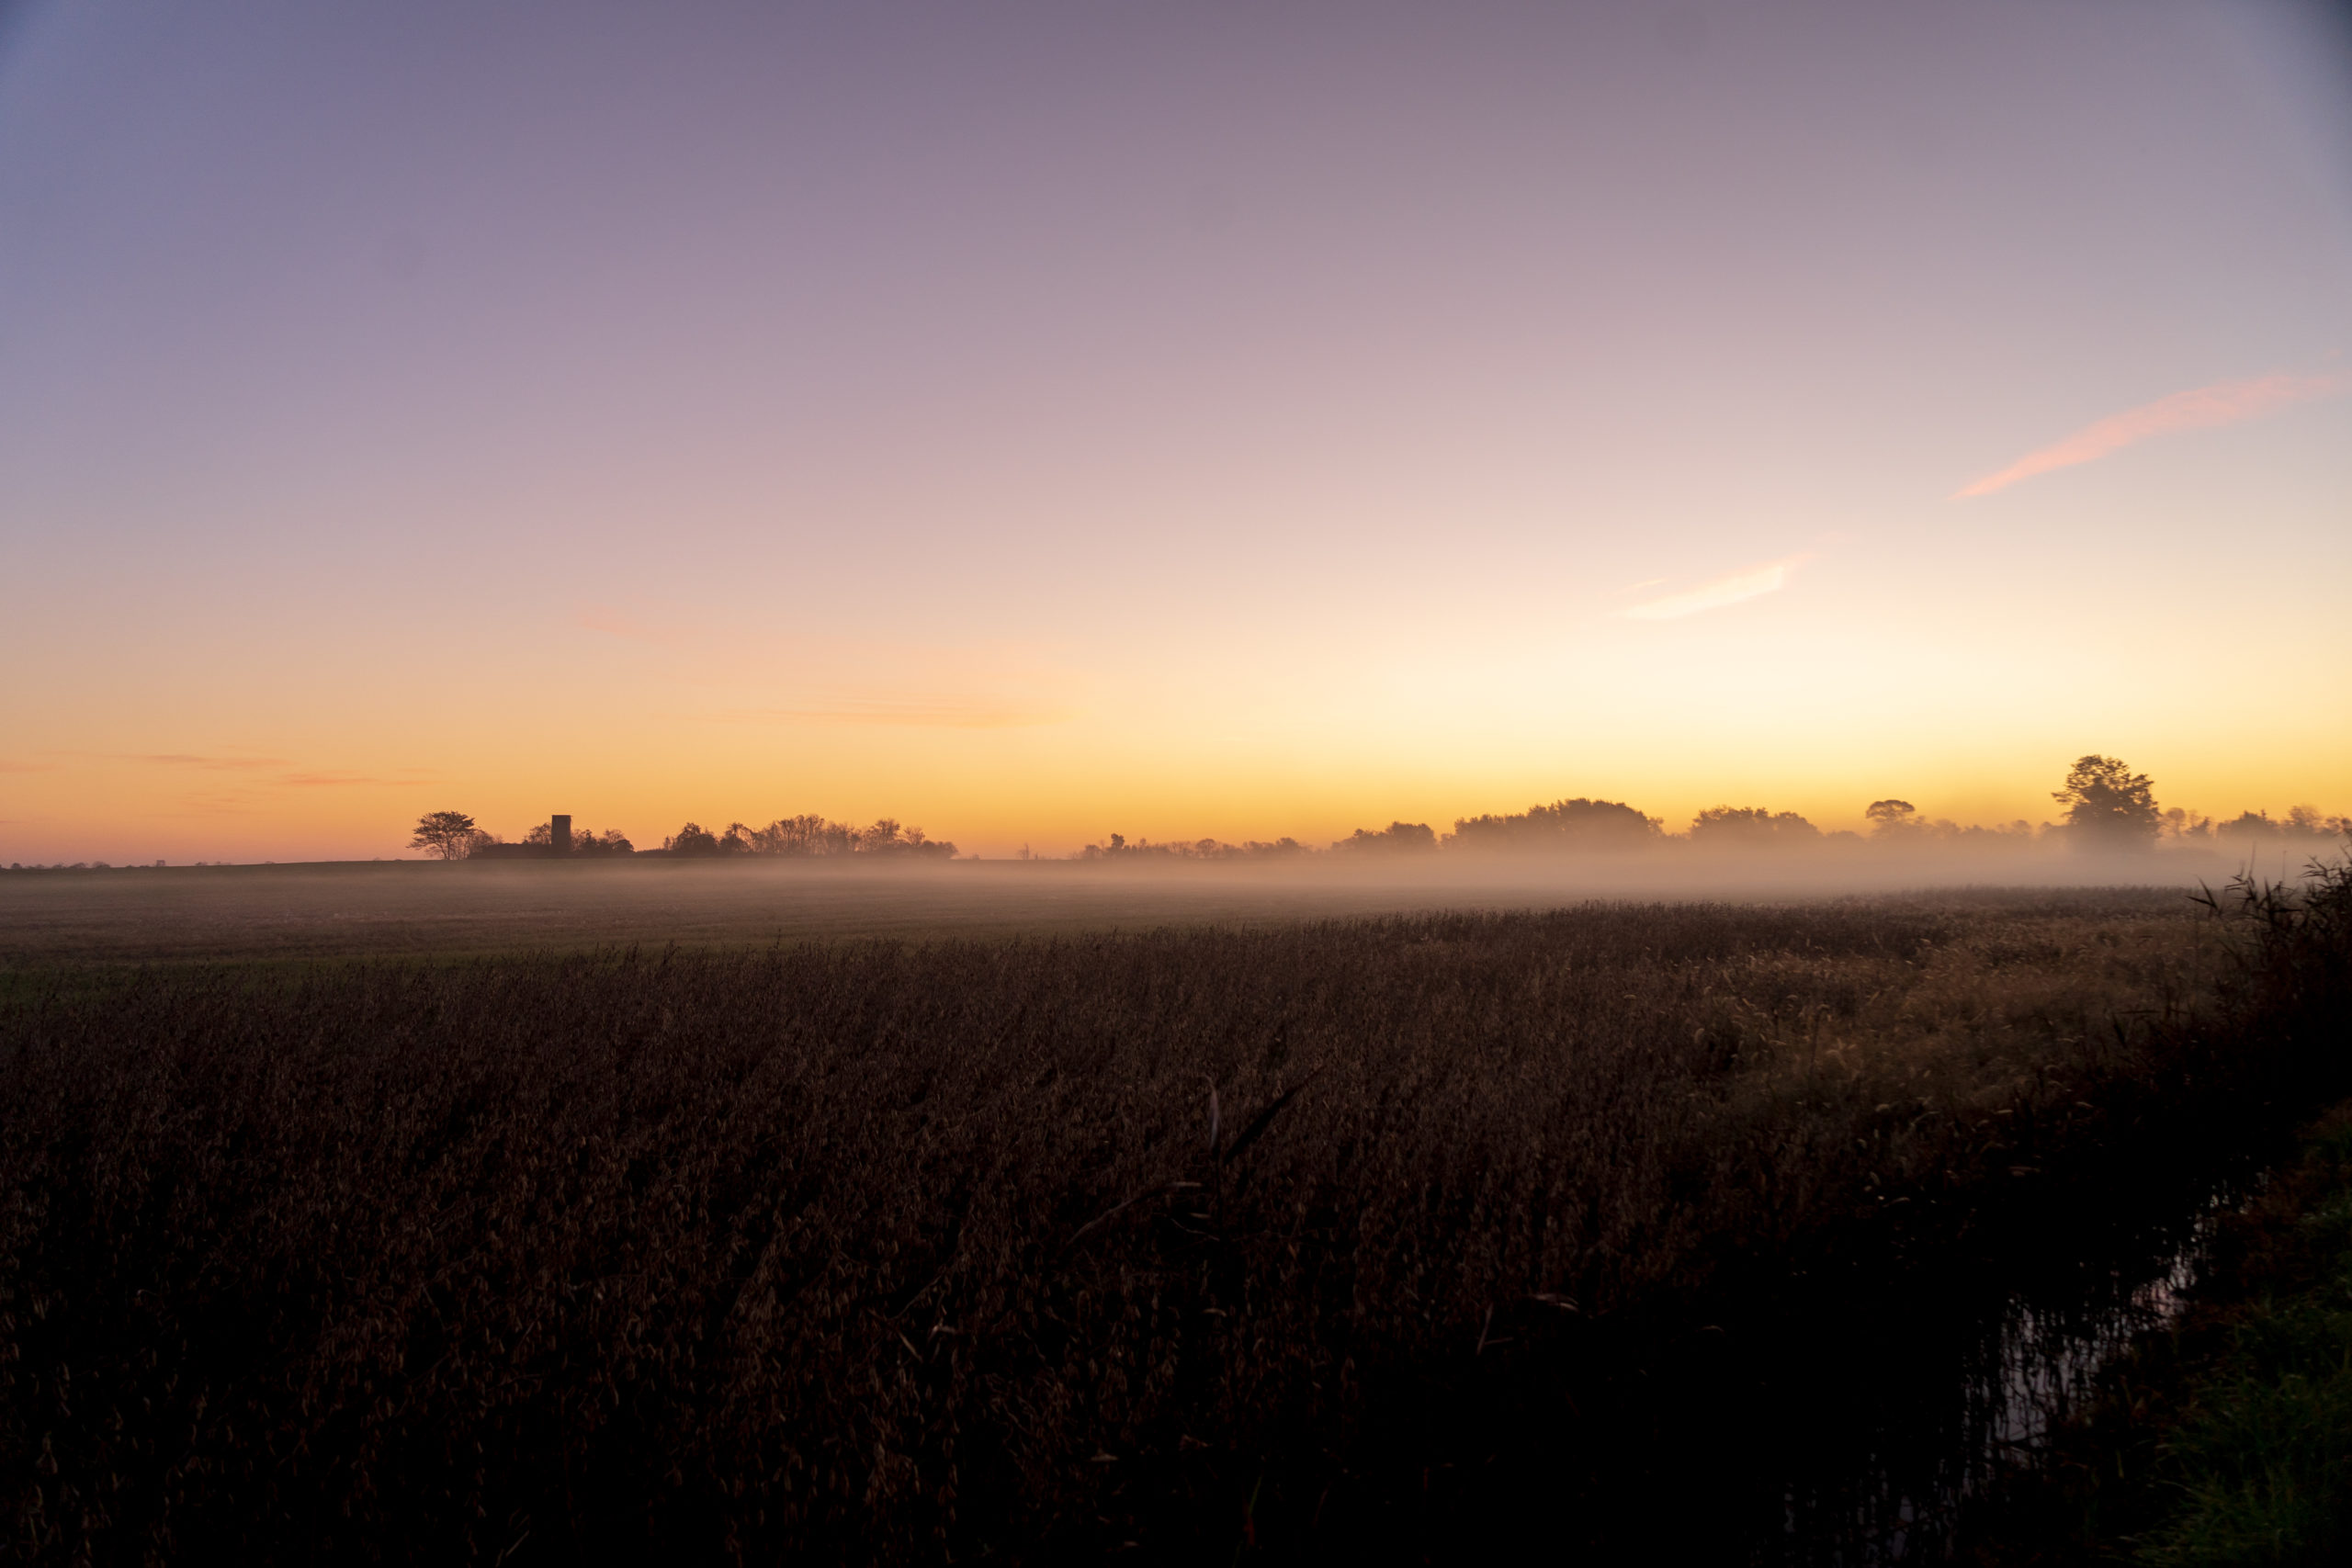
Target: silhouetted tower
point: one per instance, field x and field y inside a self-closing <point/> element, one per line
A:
<point x="560" y="834"/>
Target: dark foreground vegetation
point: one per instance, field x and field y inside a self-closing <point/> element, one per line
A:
<point x="1355" y="1237"/>
<point x="2225" y="1437"/>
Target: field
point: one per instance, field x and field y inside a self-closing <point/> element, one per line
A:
<point x="378" y="908"/>
<point x="1371" y="1236"/>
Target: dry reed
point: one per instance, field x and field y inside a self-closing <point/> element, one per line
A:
<point x="877" y="1251"/>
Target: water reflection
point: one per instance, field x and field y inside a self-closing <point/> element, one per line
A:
<point x="1905" y="1420"/>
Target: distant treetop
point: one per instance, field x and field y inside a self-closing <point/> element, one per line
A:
<point x="808" y="836"/>
<point x="448" y="834"/>
<point x="1397" y="838"/>
<point x="1750" y="825"/>
<point x="2106" y="803"/>
<point x="1578" y="824"/>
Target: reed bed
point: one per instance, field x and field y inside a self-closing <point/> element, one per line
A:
<point x="877" y="1251"/>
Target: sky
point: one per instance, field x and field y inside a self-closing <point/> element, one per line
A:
<point x="1034" y="421"/>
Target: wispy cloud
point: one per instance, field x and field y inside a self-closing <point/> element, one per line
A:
<point x="8" y="767"/>
<point x="2201" y="407"/>
<point x="224" y="764"/>
<point x="1752" y="582"/>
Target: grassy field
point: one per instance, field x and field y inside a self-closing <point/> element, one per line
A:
<point x="1213" y="1239"/>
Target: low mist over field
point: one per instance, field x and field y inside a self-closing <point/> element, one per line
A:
<point x="807" y="876"/>
<point x="292" y="911"/>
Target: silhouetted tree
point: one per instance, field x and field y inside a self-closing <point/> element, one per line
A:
<point x="1750" y="825"/>
<point x="611" y="841"/>
<point x="2250" y="824"/>
<point x="1578" y="824"/>
<point x="693" y="838"/>
<point x="813" y="835"/>
<point x="2106" y="803"/>
<point x="1199" y="849"/>
<point x="1895" y="819"/>
<point x="887" y="838"/>
<point x="449" y="834"/>
<point x="2302" y="822"/>
<point x="1397" y="838"/>
<point x="805" y="835"/>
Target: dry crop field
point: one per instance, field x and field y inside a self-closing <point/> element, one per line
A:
<point x="1203" y="1240"/>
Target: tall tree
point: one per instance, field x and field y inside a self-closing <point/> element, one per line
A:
<point x="1889" y="819"/>
<point x="449" y="834"/>
<point x="2106" y="803"/>
<point x="693" y="838"/>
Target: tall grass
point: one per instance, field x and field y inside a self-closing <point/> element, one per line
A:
<point x="2221" y="1438"/>
<point x="879" y="1251"/>
<point x="2259" y="1470"/>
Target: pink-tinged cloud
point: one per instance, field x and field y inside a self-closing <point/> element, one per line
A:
<point x="2224" y="402"/>
<point x="1753" y="582"/>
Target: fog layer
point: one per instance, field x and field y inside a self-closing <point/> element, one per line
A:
<point x="428" y="907"/>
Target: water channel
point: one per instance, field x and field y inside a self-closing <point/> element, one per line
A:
<point x="1853" y="1426"/>
<point x="1897" y="1421"/>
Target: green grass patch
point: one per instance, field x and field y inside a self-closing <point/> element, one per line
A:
<point x="2263" y="1458"/>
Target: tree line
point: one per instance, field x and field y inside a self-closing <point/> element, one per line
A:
<point x="807" y="836"/>
<point x="454" y="835"/>
<point x="2106" y="806"/>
